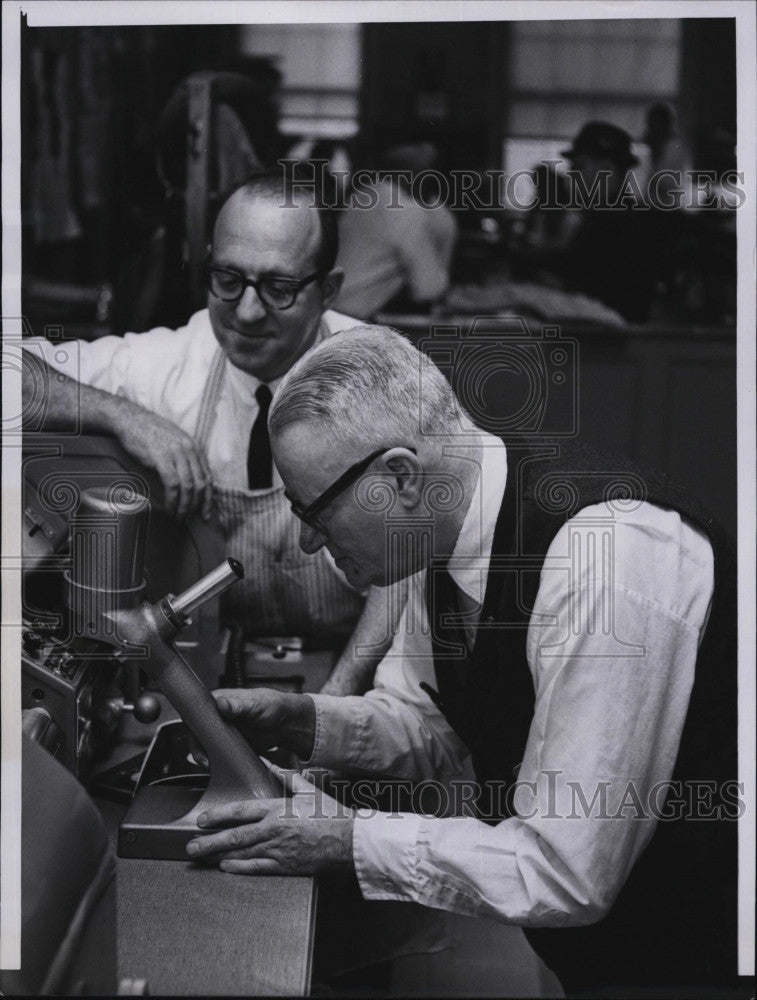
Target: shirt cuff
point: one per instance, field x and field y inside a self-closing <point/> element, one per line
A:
<point x="335" y="732"/>
<point x="384" y="849"/>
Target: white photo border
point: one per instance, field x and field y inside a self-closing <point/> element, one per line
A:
<point x="176" y="12"/>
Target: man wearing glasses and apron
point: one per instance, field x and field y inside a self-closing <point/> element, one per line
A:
<point x="193" y="405"/>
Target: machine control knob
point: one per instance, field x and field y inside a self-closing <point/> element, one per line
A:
<point x="145" y="709"/>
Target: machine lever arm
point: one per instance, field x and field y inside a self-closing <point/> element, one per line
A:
<point x="236" y="771"/>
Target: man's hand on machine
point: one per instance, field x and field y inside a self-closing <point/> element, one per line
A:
<point x="160" y="445"/>
<point x="306" y="834"/>
<point x="269" y="718"/>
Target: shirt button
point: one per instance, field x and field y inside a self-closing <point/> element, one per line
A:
<point x="388" y="884"/>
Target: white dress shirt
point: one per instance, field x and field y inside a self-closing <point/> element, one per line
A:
<point x="612" y="665"/>
<point x="384" y="249"/>
<point x="166" y="371"/>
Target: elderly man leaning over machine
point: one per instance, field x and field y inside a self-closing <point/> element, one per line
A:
<point x="192" y="404"/>
<point x="579" y="656"/>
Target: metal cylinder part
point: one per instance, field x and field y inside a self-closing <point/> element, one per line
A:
<point x="209" y="586"/>
<point x="107" y="542"/>
<point x="108" y="535"/>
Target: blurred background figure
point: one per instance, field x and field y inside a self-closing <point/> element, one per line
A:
<point x="397" y="252"/>
<point x="549" y="225"/>
<point x="666" y="148"/>
<point x="712" y="255"/>
<point x="334" y="155"/>
<point x="541" y="239"/>
<point x="672" y="200"/>
<point x="216" y="129"/>
<point x="611" y="256"/>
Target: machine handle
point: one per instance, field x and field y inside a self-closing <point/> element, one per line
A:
<point x="236" y="771"/>
<point x="208" y="587"/>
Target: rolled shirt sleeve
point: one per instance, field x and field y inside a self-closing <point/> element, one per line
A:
<point x="163" y="370"/>
<point x="395" y="729"/>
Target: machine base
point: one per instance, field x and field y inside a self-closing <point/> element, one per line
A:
<point x="160" y="820"/>
<point x="157" y="824"/>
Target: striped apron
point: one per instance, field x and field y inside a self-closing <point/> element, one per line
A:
<point x="285" y="592"/>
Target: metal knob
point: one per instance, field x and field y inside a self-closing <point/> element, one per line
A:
<point x="145" y="709"/>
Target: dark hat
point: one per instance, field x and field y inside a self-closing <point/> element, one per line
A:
<point x="603" y="140"/>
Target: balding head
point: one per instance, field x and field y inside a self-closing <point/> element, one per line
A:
<point x="279" y="188"/>
<point x="260" y="236"/>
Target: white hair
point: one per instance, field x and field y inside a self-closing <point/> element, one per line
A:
<point x="368" y="384"/>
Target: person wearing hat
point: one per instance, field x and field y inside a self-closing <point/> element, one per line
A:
<point x="602" y="146"/>
<point x="611" y="256"/>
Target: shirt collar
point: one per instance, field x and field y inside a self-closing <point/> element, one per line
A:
<point x="247" y="384"/>
<point x="469" y="563"/>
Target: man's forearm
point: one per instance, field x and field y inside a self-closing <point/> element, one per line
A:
<point x="154" y="441"/>
<point x="373" y="636"/>
<point x="69" y="404"/>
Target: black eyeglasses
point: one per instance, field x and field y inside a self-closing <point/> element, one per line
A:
<point x="309" y="514"/>
<point x="273" y="292"/>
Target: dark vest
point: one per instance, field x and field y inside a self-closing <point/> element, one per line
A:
<point x="673" y="923"/>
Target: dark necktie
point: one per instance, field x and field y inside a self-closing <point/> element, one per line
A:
<point x="451" y="660"/>
<point x="259" y="462"/>
<point x="447" y="634"/>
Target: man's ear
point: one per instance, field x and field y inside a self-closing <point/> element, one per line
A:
<point x="408" y="476"/>
<point x="332" y="284"/>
